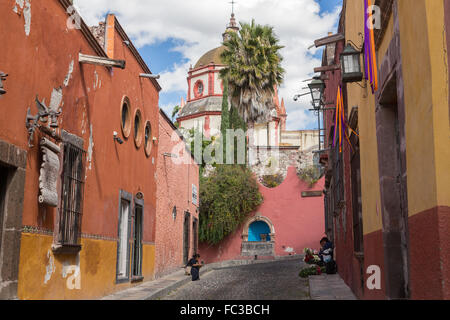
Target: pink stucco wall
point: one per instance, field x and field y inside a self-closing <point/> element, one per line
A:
<point x="174" y="188"/>
<point x="298" y="222"/>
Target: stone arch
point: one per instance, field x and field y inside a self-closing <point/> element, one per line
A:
<point x="255" y="219"/>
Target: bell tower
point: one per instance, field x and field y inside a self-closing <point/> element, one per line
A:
<point x="232" y="26"/>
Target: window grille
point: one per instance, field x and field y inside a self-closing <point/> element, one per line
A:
<point x="72" y="196"/>
<point x="137" y="242"/>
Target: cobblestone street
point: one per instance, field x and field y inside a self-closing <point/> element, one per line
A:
<point x="266" y="281"/>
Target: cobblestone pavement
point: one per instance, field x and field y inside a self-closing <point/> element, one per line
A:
<point x="267" y="281"/>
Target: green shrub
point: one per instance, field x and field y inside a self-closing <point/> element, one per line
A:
<point x="272" y="181"/>
<point x="227" y="197"/>
<point x="310" y="175"/>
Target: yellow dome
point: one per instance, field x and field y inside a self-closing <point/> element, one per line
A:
<point x="212" y="56"/>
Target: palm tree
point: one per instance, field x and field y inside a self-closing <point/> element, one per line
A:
<point x="253" y="70"/>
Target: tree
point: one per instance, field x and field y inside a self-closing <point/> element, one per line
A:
<point x="227" y="197"/>
<point x="236" y="123"/>
<point x="191" y="136"/>
<point x="253" y="70"/>
<point x="225" y="120"/>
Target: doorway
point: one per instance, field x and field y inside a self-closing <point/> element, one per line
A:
<point x="187" y="219"/>
<point x="358" y="231"/>
<point x="393" y="189"/>
<point x="12" y="192"/>
<point x="137" y="243"/>
<point x="3" y="188"/>
<point x="195" y="235"/>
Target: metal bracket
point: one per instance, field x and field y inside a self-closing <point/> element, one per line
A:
<point x="101" y="61"/>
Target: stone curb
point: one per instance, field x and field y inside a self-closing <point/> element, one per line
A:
<point x="238" y="263"/>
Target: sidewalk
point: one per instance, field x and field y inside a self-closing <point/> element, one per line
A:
<point x="329" y="287"/>
<point x="153" y="290"/>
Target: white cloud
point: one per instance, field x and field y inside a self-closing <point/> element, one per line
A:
<point x="200" y="24"/>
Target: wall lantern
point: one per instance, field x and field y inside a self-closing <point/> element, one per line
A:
<point x="2" y="78"/>
<point x="351" y="65"/>
<point x="140" y="195"/>
<point x="174" y="212"/>
<point x="317" y="87"/>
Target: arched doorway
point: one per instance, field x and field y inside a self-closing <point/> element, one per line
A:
<point x="258" y="238"/>
<point x="259" y="231"/>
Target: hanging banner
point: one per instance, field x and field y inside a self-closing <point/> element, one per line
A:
<point x="369" y="47"/>
<point x="341" y="126"/>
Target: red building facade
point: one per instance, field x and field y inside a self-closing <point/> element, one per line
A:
<point x="177" y="200"/>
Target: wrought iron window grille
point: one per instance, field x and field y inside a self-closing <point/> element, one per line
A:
<point x="68" y="239"/>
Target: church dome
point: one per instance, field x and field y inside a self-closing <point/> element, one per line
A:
<point x="212" y="56"/>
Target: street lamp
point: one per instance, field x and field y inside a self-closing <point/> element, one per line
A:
<point x="2" y="78"/>
<point x="351" y="65"/>
<point x="317" y="87"/>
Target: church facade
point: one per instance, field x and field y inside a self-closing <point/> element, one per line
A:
<point x="202" y="111"/>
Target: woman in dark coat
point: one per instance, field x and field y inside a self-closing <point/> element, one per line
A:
<point x="195" y="267"/>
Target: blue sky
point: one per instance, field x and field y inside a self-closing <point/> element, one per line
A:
<point x="172" y="34"/>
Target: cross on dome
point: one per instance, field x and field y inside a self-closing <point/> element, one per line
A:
<point x="232" y="7"/>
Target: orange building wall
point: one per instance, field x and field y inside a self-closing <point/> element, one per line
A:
<point x="37" y="64"/>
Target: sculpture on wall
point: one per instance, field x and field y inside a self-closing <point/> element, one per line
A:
<point x="49" y="172"/>
<point x="44" y="113"/>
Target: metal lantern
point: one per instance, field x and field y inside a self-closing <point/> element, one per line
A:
<point x="351" y="65"/>
<point x="317" y="87"/>
<point x="174" y="213"/>
<point x="2" y="78"/>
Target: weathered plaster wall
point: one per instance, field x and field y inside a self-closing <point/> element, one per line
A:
<point x="90" y="100"/>
<point x="428" y="151"/>
<point x="427" y="111"/>
<point x="363" y="98"/>
<point x="45" y="276"/>
<point x="270" y="161"/>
